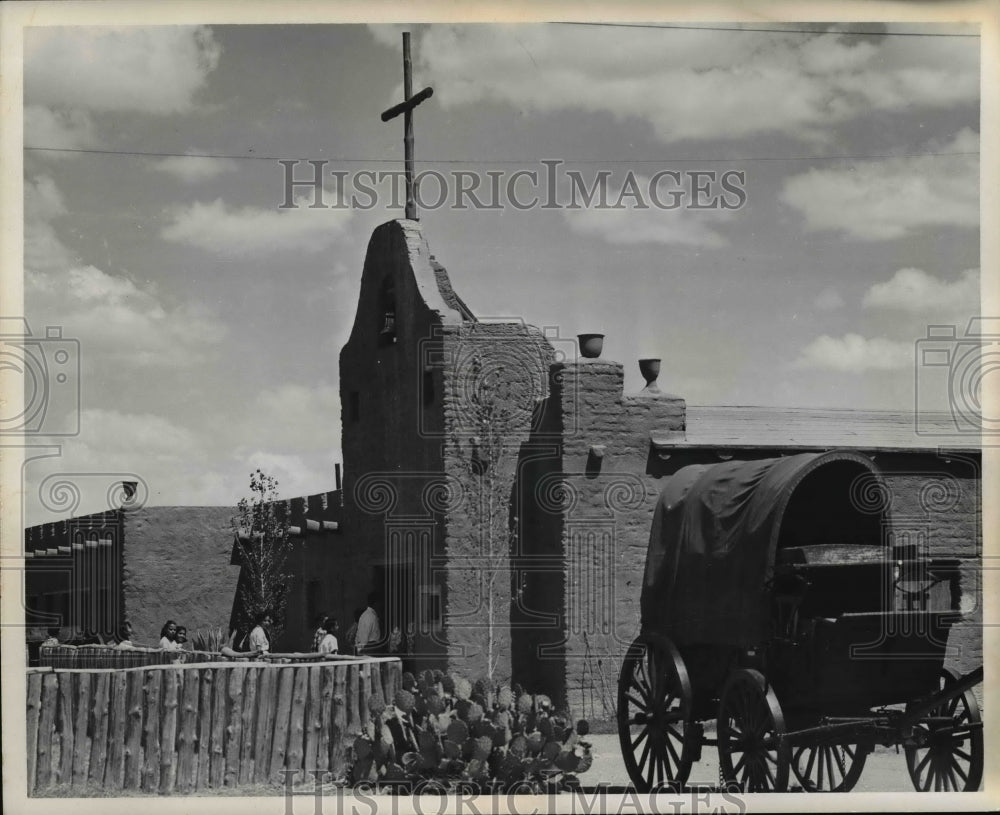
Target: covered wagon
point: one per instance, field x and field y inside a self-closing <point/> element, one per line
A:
<point x="778" y="604"/>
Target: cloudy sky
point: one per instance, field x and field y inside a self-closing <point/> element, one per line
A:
<point x="210" y="319"/>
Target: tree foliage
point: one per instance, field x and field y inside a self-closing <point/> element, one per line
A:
<point x="261" y="529"/>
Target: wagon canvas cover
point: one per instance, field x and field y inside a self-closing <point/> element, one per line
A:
<point x="716" y="528"/>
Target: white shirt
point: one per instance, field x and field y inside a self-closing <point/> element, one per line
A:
<point x="258" y="640"/>
<point x="368" y="629"/>
<point x="328" y="645"/>
<point x="168" y="644"/>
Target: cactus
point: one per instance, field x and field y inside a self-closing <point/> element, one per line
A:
<point x="362" y="748"/>
<point x="479" y="734"/>
<point x="361" y="771"/>
<point x="483" y="747"/>
<point x="394" y="772"/>
<point x="505" y="698"/>
<point x="458" y="731"/>
<point x="535" y="743"/>
<point x="551" y="750"/>
<point x="404" y="700"/>
<point x="518" y="747"/>
<point x="567" y="761"/>
<point x="463" y="688"/>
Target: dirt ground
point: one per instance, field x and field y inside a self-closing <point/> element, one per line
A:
<point x="885" y="771"/>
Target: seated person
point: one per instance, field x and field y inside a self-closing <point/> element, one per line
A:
<point x="53" y="638"/>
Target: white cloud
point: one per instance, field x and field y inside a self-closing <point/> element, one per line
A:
<point x="216" y="227"/>
<point x="888" y="199"/>
<point x="917" y="292"/>
<point x="793" y="84"/>
<point x="853" y="353"/>
<point x="43" y="203"/>
<point x="155" y="70"/>
<point x="192" y="169"/>
<point x="294" y="417"/>
<point x="174" y="463"/>
<point x="634" y="226"/>
<point x="296" y="475"/>
<point x="63" y="129"/>
<point x="117" y="321"/>
<point x="829" y="300"/>
<point x="646" y="223"/>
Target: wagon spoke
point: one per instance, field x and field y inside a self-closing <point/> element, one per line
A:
<point x="962" y="753"/>
<point x="923" y="762"/>
<point x="831" y="771"/>
<point x="964" y="775"/>
<point x="810" y="763"/>
<point x="673" y="752"/>
<point x="642" y="687"/>
<point x="769" y="775"/>
<point x="642" y="734"/>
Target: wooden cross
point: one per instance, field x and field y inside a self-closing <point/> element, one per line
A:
<point x="406" y="108"/>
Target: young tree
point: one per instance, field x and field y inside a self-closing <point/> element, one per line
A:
<point x="261" y="529"/>
<point x="494" y="404"/>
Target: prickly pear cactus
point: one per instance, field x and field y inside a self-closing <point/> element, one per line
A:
<point x="441" y="729"/>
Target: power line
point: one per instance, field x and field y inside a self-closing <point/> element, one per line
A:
<point x="486" y="161"/>
<point x="770" y="30"/>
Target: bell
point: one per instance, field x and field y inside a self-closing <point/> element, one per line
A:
<point x="390" y="324"/>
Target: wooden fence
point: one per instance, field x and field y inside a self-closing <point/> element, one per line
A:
<point x="184" y="728"/>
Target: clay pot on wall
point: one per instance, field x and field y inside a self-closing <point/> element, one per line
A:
<point x="650" y="370"/>
<point x="591" y="345"/>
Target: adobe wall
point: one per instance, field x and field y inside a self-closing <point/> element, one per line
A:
<point x="935" y="501"/>
<point x="176" y="565"/>
<point x="588" y="509"/>
<point x="393" y="431"/>
<point x="494" y="378"/>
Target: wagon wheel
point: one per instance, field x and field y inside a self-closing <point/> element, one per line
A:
<point x="951" y="757"/>
<point x="752" y="752"/>
<point x="654" y="714"/>
<point x="828" y="767"/>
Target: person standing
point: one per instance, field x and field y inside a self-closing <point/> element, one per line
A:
<point x="168" y="637"/>
<point x="329" y="644"/>
<point x="369" y="631"/>
<point x="319" y="633"/>
<point x="259" y="640"/>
